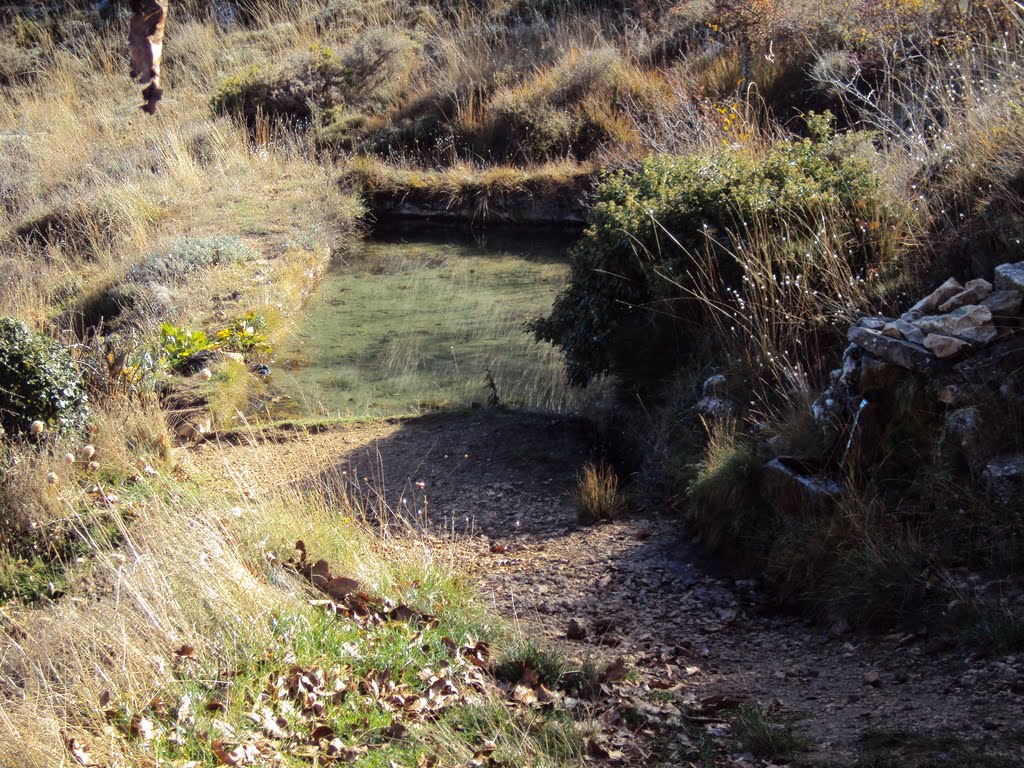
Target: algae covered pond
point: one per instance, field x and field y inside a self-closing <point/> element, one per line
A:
<point x="409" y="326"/>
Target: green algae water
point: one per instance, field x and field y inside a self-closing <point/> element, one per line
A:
<point x="412" y="326"/>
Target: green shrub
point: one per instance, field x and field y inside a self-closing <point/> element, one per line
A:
<point x="180" y="347"/>
<point x="38" y="381"/>
<point x="246" y="335"/>
<point x="186" y="255"/>
<point x="655" y="231"/>
<point x="723" y="496"/>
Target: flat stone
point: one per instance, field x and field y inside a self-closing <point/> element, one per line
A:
<point x="945" y="346"/>
<point x="1010" y="277"/>
<point x="970" y="295"/>
<point x="1006" y="303"/>
<point x="970" y="323"/>
<point x="965" y="430"/>
<point x="872" y="323"/>
<point x="943" y="293"/>
<point x="901" y="352"/>
<point x="901" y="329"/>
<point x="978" y="282"/>
<point x="1004" y="477"/>
<point x="717" y="408"/>
<point x="789" y="486"/>
<point x="716" y="385"/>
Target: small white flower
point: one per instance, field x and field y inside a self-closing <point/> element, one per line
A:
<point x="37" y="427"/>
<point x="88" y="451"/>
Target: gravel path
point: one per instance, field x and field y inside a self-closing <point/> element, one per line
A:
<point x="634" y="589"/>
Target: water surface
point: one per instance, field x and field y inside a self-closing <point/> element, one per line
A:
<point x="406" y="326"/>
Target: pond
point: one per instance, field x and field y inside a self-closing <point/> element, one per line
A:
<point x="411" y="325"/>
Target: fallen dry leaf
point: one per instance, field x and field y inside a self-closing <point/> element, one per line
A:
<point x="185" y="652"/>
<point x="141" y="728"/>
<point x="78" y="751"/>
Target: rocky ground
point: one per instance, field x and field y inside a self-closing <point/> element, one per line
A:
<point x="695" y="640"/>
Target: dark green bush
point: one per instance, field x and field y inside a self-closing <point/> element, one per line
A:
<point x="655" y="229"/>
<point x="38" y="381"/>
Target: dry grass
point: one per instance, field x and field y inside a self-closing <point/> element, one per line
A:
<point x="182" y="565"/>
<point x="598" y="495"/>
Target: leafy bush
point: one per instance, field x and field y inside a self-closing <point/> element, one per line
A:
<point x="180" y="347"/>
<point x="660" y="230"/>
<point x="246" y="335"/>
<point x="186" y="255"/>
<point x="38" y="381"/>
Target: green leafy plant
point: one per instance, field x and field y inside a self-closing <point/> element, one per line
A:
<point x="179" y="347"/>
<point x="38" y="382"/>
<point x="659" y="230"/>
<point x="246" y="335"/>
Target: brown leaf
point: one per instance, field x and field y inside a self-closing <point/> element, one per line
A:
<point x="141" y="728"/>
<point x="544" y="696"/>
<point x="78" y="751"/>
<point x="396" y="731"/>
<point x="157" y="705"/>
<point x="529" y="678"/>
<point x="595" y="750"/>
<point x="243" y="754"/>
<point x="322" y="733"/>
<point x="104" y="699"/>
<point x="403" y="613"/>
<point x="185" y="652"/>
<point x="524" y="695"/>
<point x="322" y="569"/>
<point x="614" y="671"/>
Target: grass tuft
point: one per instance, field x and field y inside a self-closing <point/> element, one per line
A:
<point x="598" y="495"/>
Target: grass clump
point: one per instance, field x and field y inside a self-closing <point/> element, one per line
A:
<point x="598" y="495"/>
<point x="722" y="498"/>
<point x="367" y="74"/>
<point x="762" y="734"/>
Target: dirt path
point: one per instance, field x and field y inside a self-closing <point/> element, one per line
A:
<point x="502" y="483"/>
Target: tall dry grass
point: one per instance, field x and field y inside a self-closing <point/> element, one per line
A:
<point x="182" y="565"/>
